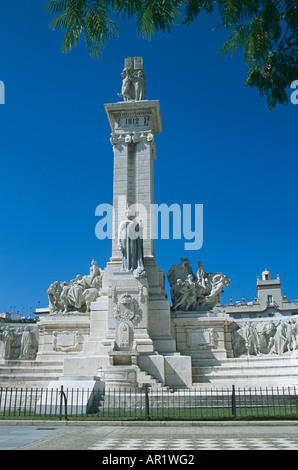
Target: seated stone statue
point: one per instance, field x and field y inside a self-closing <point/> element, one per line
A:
<point x="77" y="295"/>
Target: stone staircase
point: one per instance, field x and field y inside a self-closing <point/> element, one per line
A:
<point x="29" y="374"/>
<point x="247" y="372"/>
<point x="145" y="378"/>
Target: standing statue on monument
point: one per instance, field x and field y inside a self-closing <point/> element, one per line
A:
<point x="130" y="242"/>
<point x="26" y="344"/>
<point x="202" y="278"/>
<point x="134" y="80"/>
<point x="127" y="86"/>
<point x="7" y="337"/>
<point x="140" y="86"/>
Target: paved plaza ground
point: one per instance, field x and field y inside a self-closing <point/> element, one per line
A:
<point x="149" y="437"/>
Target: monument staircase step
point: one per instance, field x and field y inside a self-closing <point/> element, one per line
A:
<point x="251" y="362"/>
<point x="29" y="373"/>
<point x="246" y="371"/>
<point x="144" y="377"/>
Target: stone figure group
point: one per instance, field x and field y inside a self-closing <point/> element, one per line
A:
<point x="193" y="293"/>
<point x="254" y="338"/>
<point x="77" y="295"/>
<point x="18" y="342"/>
<point x="133" y="85"/>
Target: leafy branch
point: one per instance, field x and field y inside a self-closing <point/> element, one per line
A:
<point x="266" y="30"/>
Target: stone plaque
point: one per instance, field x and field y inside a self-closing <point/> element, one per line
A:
<point x="129" y="63"/>
<point x="200" y="338"/>
<point x="66" y="341"/>
<point x="136" y="120"/>
<point x="138" y="63"/>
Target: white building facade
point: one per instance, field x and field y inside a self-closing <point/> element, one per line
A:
<point x="269" y="301"/>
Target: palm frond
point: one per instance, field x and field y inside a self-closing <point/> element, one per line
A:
<point x="87" y="17"/>
<point x="236" y="41"/>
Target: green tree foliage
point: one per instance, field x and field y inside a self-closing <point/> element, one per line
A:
<point x="83" y="17"/>
<point x="266" y="31"/>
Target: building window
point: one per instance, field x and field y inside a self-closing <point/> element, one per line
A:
<point x="269" y="300"/>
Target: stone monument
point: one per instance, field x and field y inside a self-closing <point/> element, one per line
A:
<point x="114" y="327"/>
<point x="119" y="319"/>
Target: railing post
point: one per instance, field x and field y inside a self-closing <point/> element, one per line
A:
<point x="61" y="401"/>
<point x="146" y="388"/>
<point x="63" y="397"/>
<point x="233" y="402"/>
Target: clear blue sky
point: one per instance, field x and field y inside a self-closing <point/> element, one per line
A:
<point x="220" y="147"/>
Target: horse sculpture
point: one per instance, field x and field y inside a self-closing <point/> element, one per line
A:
<point x="191" y="293"/>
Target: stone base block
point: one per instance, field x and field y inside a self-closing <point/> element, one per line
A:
<point x="178" y="371"/>
<point x="173" y="370"/>
<point x="85" y="365"/>
<point x="79" y="393"/>
<point x="123" y="358"/>
<point x="119" y="377"/>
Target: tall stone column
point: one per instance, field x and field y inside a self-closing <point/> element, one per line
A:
<point x="130" y="323"/>
<point x="133" y="125"/>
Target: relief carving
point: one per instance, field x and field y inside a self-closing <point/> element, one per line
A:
<point x="255" y="338"/>
<point x="128" y="309"/>
<point x="66" y="341"/>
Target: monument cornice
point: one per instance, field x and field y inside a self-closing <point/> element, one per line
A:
<point x="198" y="318"/>
<point x="148" y="110"/>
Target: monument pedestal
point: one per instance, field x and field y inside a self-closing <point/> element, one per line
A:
<point x="128" y="316"/>
<point x="62" y="335"/>
<point x="201" y="335"/>
<point x="130" y="328"/>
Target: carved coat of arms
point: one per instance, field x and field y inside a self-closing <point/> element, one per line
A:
<point x="127" y="309"/>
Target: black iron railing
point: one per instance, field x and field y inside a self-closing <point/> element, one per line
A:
<point x="146" y="403"/>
